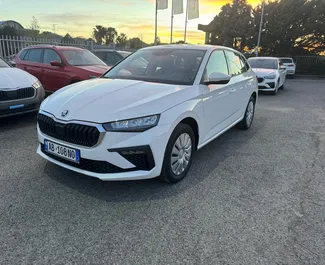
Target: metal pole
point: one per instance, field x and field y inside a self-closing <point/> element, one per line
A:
<point x="156" y="22"/>
<point x="172" y="22"/>
<point x="186" y="16"/>
<point x="260" y="31"/>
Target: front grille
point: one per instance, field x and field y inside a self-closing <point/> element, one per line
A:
<point x="260" y="79"/>
<point x="72" y="133"/>
<point x="101" y="167"/>
<point x="22" y="93"/>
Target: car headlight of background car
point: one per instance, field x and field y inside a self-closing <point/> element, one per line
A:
<point x="37" y="84"/>
<point x="270" y="77"/>
<point x="132" y="125"/>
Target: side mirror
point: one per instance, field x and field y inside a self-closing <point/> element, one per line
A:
<point x="217" y="78"/>
<point x="12" y="63"/>
<point x="56" y="63"/>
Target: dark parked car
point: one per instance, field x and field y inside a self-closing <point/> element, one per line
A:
<point x="59" y="66"/>
<point x="20" y="92"/>
<point x="111" y="57"/>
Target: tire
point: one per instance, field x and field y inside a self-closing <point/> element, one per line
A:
<point x="247" y="122"/>
<point x="169" y="170"/>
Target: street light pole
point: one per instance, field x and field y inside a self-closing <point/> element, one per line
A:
<point x="260" y="31"/>
<point x="156" y="22"/>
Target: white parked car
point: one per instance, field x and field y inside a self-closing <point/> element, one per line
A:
<point x="271" y="73"/>
<point x="147" y="115"/>
<point x="289" y="65"/>
<point x="20" y="92"/>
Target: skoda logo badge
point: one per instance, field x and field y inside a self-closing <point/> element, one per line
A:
<point x="64" y="113"/>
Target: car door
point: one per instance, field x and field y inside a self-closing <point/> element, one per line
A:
<point x="282" y="71"/>
<point x="238" y="84"/>
<point x="32" y="62"/>
<point x="53" y="77"/>
<point x="216" y="104"/>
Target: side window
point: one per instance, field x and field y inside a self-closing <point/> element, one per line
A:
<point x="50" y="55"/>
<point x="245" y="63"/>
<point x="217" y="63"/>
<point x="34" y="55"/>
<point x="101" y="55"/>
<point x="235" y="63"/>
<point x="110" y="59"/>
<point x="22" y="55"/>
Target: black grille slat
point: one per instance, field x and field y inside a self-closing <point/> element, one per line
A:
<point x="17" y="94"/>
<point x="79" y="134"/>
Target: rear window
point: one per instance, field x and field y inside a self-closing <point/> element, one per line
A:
<point x="286" y="60"/>
<point x="34" y="55"/>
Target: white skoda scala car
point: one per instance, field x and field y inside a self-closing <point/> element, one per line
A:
<point x="147" y="115"/>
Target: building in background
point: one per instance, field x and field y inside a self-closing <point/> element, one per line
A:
<point x="21" y="31"/>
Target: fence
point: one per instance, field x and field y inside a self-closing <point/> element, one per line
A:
<point x="10" y="45"/>
<point x="310" y="64"/>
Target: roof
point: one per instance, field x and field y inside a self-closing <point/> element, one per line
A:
<point x="185" y="47"/>
<point x="11" y="21"/>
<point x="274" y="58"/>
<point x="108" y="50"/>
<point x="55" y="46"/>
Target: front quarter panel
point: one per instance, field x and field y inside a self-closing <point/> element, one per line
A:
<point x="190" y="109"/>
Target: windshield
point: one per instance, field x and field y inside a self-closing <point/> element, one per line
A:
<point x="287" y="60"/>
<point x="263" y="63"/>
<point x="124" y="54"/>
<point x="171" y="66"/>
<point x="3" y="64"/>
<point x="81" y="58"/>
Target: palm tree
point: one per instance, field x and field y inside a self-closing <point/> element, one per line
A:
<point x="99" y="33"/>
<point x="110" y="35"/>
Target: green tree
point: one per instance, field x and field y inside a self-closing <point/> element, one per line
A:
<point x="99" y="33"/>
<point x="110" y="35"/>
<point x="67" y="38"/>
<point x="8" y="31"/>
<point x="291" y="27"/>
<point x="233" y="26"/>
<point x="121" y="40"/>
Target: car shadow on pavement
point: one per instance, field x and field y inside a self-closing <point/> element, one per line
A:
<point x="205" y="161"/>
<point x="18" y="121"/>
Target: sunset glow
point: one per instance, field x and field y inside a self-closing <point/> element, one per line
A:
<point x="133" y="17"/>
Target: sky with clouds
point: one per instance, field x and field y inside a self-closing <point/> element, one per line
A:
<point x="133" y="17"/>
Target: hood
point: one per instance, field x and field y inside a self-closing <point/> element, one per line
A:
<point x="104" y="100"/>
<point x="261" y="72"/>
<point x="97" y="69"/>
<point x="13" y="78"/>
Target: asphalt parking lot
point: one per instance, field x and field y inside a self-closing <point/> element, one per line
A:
<point x="255" y="197"/>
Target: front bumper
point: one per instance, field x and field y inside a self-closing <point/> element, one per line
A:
<point x="266" y="84"/>
<point x="28" y="105"/>
<point x="118" y="156"/>
<point x="291" y="71"/>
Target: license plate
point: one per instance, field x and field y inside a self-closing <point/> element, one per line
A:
<point x="62" y="151"/>
<point x="17" y="106"/>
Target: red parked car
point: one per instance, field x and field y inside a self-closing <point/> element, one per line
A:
<point x="59" y="66"/>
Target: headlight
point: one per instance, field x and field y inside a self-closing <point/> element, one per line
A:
<point x="270" y="77"/>
<point x="37" y="84"/>
<point x="133" y="125"/>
